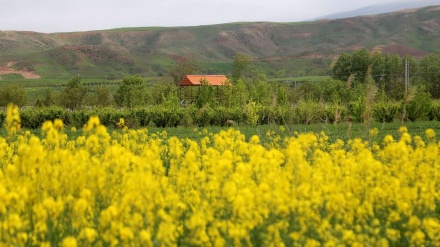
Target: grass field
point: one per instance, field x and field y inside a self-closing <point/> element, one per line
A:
<point x="343" y="131"/>
<point x="266" y="133"/>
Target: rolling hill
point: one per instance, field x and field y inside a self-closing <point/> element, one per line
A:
<point x="282" y="49"/>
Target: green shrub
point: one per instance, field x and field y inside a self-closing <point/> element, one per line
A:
<point x="308" y="112"/>
<point x="251" y="114"/>
<point x="33" y="118"/>
<point x="435" y="110"/>
<point x="385" y="112"/>
<point x="226" y="115"/>
<point x="333" y="113"/>
<point x="166" y="116"/>
<point x="356" y="109"/>
<point x="419" y="107"/>
<point x="204" y="116"/>
<point x="13" y="93"/>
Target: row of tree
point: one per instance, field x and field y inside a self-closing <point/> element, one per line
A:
<point x="388" y="71"/>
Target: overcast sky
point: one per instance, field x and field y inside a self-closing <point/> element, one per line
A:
<point x="83" y="15"/>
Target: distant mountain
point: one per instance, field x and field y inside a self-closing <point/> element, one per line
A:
<point x="282" y="49"/>
<point x="381" y="9"/>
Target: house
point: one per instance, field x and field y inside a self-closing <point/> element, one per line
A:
<point x="198" y="80"/>
<point x="195" y="80"/>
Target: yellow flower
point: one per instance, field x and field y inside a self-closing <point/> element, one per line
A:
<point x="392" y="234"/>
<point x="374" y="132"/>
<point x="69" y="242"/>
<point x="12" y="122"/>
<point x="430" y="134"/>
<point x="88" y="234"/>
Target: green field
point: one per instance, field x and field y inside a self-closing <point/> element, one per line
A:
<point x="267" y="133"/>
<point x="343" y="131"/>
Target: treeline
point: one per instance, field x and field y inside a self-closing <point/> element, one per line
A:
<point x="370" y="87"/>
<point x="388" y="71"/>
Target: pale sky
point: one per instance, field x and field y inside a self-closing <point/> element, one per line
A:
<point x="84" y="15"/>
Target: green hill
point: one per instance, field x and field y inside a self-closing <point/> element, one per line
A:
<point x="282" y="49"/>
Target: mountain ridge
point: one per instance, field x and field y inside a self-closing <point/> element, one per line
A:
<point x="381" y="9"/>
<point x="282" y="49"/>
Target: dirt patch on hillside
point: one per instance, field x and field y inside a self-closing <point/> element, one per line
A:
<point x="403" y="50"/>
<point x="312" y="56"/>
<point x="8" y="69"/>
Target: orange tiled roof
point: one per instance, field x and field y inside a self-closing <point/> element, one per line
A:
<point x="214" y="80"/>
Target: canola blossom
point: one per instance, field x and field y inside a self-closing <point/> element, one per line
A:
<point x="133" y="188"/>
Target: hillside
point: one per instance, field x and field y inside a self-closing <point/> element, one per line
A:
<point x="283" y="49"/>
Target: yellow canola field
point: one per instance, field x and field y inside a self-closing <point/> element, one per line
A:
<point x="132" y="188"/>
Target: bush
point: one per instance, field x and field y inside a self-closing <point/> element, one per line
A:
<point x="165" y="116"/>
<point x="73" y="94"/>
<point x="307" y="112"/>
<point x="435" y="110"/>
<point x="419" y="107"/>
<point x="34" y="118"/>
<point x="356" y="109"/>
<point x="13" y="93"/>
<point x="333" y="113"/>
<point x="385" y="112"/>
<point x="203" y="116"/>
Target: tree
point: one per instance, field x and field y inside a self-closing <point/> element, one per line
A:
<point x="377" y="65"/>
<point x="239" y="94"/>
<point x="342" y="68"/>
<point x="73" y="94"/>
<point x="360" y="61"/>
<point x="13" y="93"/>
<point x="183" y="66"/>
<point x="430" y="73"/>
<point x="205" y="94"/>
<point x="242" y="64"/>
<point x="164" y="91"/>
<point x="394" y="84"/>
<point x="132" y="92"/>
<point x="102" y="96"/>
<point x="48" y="100"/>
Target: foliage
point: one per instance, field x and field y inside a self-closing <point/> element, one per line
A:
<point x="183" y="66"/>
<point x="342" y="68"/>
<point x="239" y="94"/>
<point x="163" y="116"/>
<point x="430" y="73"/>
<point x="49" y="99"/>
<point x="102" y="97"/>
<point x="307" y="112"/>
<point x="13" y="93"/>
<point x="242" y="65"/>
<point x="420" y="106"/>
<point x="251" y="113"/>
<point x="205" y="94"/>
<point x="435" y="110"/>
<point x="132" y="92"/>
<point x="356" y="109"/>
<point x="73" y="94"/>
<point x="162" y="92"/>
<point x="359" y="64"/>
<point x="281" y="95"/>
<point x="385" y="111"/>
<point x="203" y="116"/>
